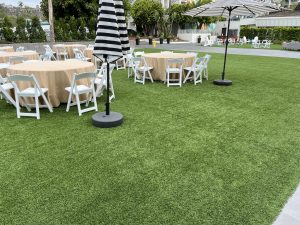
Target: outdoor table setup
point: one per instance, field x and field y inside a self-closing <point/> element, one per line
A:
<point x="159" y="62"/>
<point x="54" y="75"/>
<point x="29" y="55"/>
<point x="7" y="49"/>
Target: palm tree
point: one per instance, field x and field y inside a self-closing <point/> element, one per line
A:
<point x="50" y="9"/>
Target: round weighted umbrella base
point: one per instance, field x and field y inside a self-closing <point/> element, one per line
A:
<point x="102" y="120"/>
<point x="223" y="82"/>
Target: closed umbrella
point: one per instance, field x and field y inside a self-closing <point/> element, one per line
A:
<point x="228" y="8"/>
<point x="111" y="44"/>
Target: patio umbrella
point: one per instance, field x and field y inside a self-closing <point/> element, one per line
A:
<point x="111" y="44"/>
<point x="228" y="8"/>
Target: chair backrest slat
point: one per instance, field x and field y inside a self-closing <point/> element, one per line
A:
<point x="19" y="77"/>
<point x="84" y="76"/>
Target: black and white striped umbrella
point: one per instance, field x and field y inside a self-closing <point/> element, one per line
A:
<point x="228" y="8"/>
<point x="111" y="36"/>
<point x="233" y="7"/>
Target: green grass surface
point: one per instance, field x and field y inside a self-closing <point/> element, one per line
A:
<point x="273" y="46"/>
<point x="202" y="154"/>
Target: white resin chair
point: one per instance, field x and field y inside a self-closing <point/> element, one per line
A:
<point x="80" y="56"/>
<point x="141" y="70"/>
<point x="82" y="89"/>
<point x="101" y="81"/>
<point x="175" y="67"/>
<point x="61" y="52"/>
<point x="129" y="64"/>
<point x="33" y="92"/>
<point x="16" y="59"/>
<point x="206" y="60"/>
<point x="4" y="89"/>
<point x="49" y="54"/>
<point x="195" y="71"/>
<point x="121" y="64"/>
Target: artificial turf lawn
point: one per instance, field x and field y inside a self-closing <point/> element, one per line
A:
<point x="193" y="155"/>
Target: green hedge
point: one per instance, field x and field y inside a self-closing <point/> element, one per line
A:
<point x="276" y="34"/>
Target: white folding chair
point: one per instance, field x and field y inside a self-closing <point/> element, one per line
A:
<point x="20" y="49"/>
<point x="205" y="64"/>
<point x="49" y="54"/>
<point x="33" y="92"/>
<point x="3" y="66"/>
<point x="101" y="81"/>
<point x="141" y="70"/>
<point x="121" y="64"/>
<point x="4" y="89"/>
<point x="82" y="89"/>
<point x="129" y="64"/>
<point x="174" y="66"/>
<point x="139" y="54"/>
<point x="16" y="59"/>
<point x="61" y="52"/>
<point x="195" y="71"/>
<point x="80" y="56"/>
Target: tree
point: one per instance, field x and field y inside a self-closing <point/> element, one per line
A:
<point x="20" y="33"/>
<point x="7" y="31"/>
<point x="36" y="33"/>
<point x="146" y="14"/>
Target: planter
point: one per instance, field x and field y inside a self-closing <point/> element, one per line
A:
<point x="199" y="40"/>
<point x="168" y="40"/>
<point x="161" y="41"/>
<point x="150" y="41"/>
<point x="137" y="41"/>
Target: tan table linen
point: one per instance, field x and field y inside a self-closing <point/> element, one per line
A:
<point x="7" y="49"/>
<point x="89" y="54"/>
<point x="159" y="62"/>
<point x="54" y="75"/>
<point x="29" y="55"/>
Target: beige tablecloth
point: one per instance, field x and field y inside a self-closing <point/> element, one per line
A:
<point x="29" y="55"/>
<point x="7" y="49"/>
<point x="159" y="62"/>
<point x="54" y="75"/>
<point x="88" y="52"/>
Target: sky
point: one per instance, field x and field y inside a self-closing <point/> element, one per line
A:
<point x="31" y="3"/>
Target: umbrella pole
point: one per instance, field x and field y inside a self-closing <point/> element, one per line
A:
<point x="224" y="82"/>
<point x="107" y="119"/>
<point x="107" y="85"/>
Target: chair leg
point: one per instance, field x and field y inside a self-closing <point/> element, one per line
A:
<point x="95" y="100"/>
<point x="187" y="76"/>
<point x="17" y="105"/>
<point x="37" y="107"/>
<point x="149" y="73"/>
<point x="144" y="76"/>
<point x="78" y="104"/>
<point x="50" y="108"/>
<point x="69" y="100"/>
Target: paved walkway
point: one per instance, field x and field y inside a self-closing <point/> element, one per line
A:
<point x="290" y="214"/>
<point x="235" y="51"/>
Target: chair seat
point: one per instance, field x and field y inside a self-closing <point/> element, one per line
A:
<point x="7" y="86"/>
<point x="142" y="68"/>
<point x="196" y="68"/>
<point x="173" y="70"/>
<point x="31" y="92"/>
<point x="98" y="80"/>
<point x="80" y="88"/>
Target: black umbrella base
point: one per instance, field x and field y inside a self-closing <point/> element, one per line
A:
<point x="223" y="82"/>
<point x="101" y="120"/>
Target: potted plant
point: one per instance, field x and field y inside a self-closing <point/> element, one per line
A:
<point x="199" y="39"/>
<point x="161" y="38"/>
<point x="137" y="40"/>
<point x="169" y="39"/>
<point x="150" y="38"/>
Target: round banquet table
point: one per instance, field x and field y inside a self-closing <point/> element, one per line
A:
<point x="7" y="49"/>
<point x="159" y="62"/>
<point x="29" y="55"/>
<point x="54" y="75"/>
